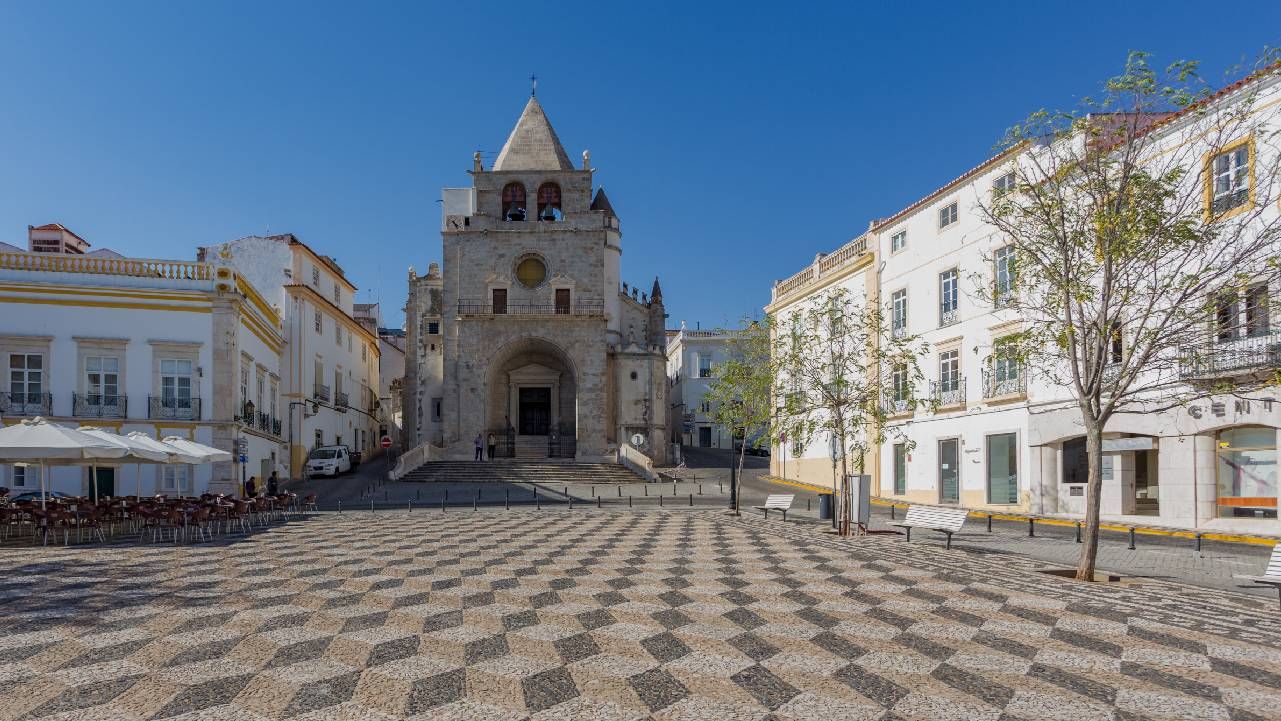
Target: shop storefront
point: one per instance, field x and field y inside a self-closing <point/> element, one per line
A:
<point x="1246" y="473"/>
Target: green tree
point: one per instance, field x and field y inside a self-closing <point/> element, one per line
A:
<point x="841" y="374"/>
<point x="1128" y="219"/>
<point x="740" y="391"/>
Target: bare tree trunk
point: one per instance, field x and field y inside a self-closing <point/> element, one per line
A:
<point x="844" y="528"/>
<point x="1093" y="493"/>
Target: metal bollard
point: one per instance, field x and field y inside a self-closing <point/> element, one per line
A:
<point x="660" y="500"/>
<point x="700" y="489"/>
<point x="620" y="491"/>
<point x="340" y="507"/>
<point x="565" y="490"/>
<point x="807" y="504"/>
<point x="1078" y="531"/>
<point x="593" y="491"/>
<point x="442" y="501"/>
<point x="598" y="501"/>
<point x="571" y="503"/>
<point x="989" y="523"/>
<point x="691" y="500"/>
<point x="476" y="503"/>
<point x="892" y="511"/>
<point x="1198" y="543"/>
<point x="538" y="502"/>
<point x="371" y="506"/>
<point x="447" y="493"/>
<point x="720" y="487"/>
<point x="645" y="489"/>
<point x="1031" y="528"/>
<point x="507" y="499"/>
<point x="411" y="507"/>
<point x="673" y="489"/>
<point x="1131" y="538"/>
<point x="629" y="500"/>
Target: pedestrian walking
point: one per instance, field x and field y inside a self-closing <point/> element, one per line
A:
<point x="273" y="484"/>
<point x="493" y="445"/>
<point x="251" y="487"/>
<point x="480" y="447"/>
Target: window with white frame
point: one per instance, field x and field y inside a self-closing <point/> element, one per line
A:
<point x="319" y="323"/>
<point x="26" y="476"/>
<point x="704" y="365"/>
<point x="338" y="334"/>
<point x="102" y="380"/>
<point x="949" y="296"/>
<point x="26" y="377"/>
<point x="1231" y="323"/>
<point x="949" y="371"/>
<point x="1230" y="179"/>
<point x="175" y="478"/>
<point x="898" y="241"/>
<point x="1003" y="184"/>
<point x="275" y="393"/>
<point x="244" y="386"/>
<point x="261" y="393"/>
<point x="705" y="407"/>
<point x="947" y="214"/>
<point x="902" y="385"/>
<point x="364" y="352"/>
<point x="175" y="383"/>
<point x="337" y="294"/>
<point x="1003" y="260"/>
<point x="319" y="439"/>
<point x="898" y="312"/>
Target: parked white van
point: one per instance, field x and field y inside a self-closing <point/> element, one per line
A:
<point x="328" y="461"/>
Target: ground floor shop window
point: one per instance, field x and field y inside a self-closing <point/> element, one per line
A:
<point x="1076" y="461"/>
<point x="1002" y="468"/>
<point x="949" y="471"/>
<point x="1247" y="473"/>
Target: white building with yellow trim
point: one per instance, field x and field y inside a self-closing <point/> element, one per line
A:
<point x="164" y="347"/>
<point x="329" y="362"/>
<point x="997" y="438"/>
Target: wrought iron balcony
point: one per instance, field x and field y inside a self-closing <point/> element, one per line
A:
<point x="895" y="403"/>
<point x="173" y="408"/>
<point x="26" y="404"/>
<point x="1231" y="356"/>
<point x="949" y="392"/>
<point x="1007" y="381"/>
<point x="320" y="392"/>
<point x="341" y="399"/>
<point x="275" y="427"/>
<point x="948" y="314"/>
<point x="264" y="422"/>
<point x="581" y="307"/>
<point x="93" y="405"/>
<point x="898" y="331"/>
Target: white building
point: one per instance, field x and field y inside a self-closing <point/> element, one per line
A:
<point x="130" y="344"/>
<point x="691" y="354"/>
<point x="329" y="363"/>
<point x="1001" y="438"/>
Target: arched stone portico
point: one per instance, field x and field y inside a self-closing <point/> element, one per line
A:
<point x="532" y="388"/>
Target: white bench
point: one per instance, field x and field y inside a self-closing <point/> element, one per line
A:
<point x="943" y="520"/>
<point x="1271" y="576"/>
<point x="779" y="502"/>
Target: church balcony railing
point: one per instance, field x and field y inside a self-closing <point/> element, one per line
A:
<point x="585" y="307"/>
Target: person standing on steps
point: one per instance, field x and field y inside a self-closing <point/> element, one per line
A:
<point x="493" y="445"/>
<point x="480" y="447"/>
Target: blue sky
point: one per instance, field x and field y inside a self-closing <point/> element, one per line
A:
<point x="736" y="140"/>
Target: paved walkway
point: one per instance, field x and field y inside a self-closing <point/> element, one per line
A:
<point x="672" y="615"/>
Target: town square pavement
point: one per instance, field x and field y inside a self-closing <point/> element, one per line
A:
<point x="609" y="614"/>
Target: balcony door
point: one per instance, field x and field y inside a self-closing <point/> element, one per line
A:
<point x="562" y="301"/>
<point x="949" y="471"/>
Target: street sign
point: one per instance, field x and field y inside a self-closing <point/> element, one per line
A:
<point x="244" y="458"/>
<point x="242" y="447"/>
<point x="385" y="442"/>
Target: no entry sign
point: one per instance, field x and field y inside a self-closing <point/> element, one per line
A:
<point x="385" y="442"/>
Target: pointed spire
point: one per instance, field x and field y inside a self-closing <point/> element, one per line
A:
<point x="601" y="202"/>
<point x="533" y="144"/>
<point x="657" y="292"/>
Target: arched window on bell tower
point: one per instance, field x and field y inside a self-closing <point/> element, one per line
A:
<point x="549" y="202"/>
<point x="513" y="201"/>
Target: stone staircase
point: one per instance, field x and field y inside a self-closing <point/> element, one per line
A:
<point x="517" y="471"/>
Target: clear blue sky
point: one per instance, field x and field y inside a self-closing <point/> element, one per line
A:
<point x="736" y="140"/>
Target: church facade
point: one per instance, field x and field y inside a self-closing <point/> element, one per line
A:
<point x="527" y="333"/>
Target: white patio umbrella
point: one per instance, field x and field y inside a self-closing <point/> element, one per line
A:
<point x="172" y="454"/>
<point x="136" y="452"/>
<point x="206" y="454"/>
<point x="38" y="441"/>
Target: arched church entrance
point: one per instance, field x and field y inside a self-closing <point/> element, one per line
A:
<point x="533" y="400"/>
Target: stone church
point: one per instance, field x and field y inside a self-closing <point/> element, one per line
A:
<point x="527" y="332"/>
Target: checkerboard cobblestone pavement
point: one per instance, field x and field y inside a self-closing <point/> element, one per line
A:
<point x="609" y="615"/>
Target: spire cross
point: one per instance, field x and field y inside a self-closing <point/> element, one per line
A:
<point x="533" y="85"/>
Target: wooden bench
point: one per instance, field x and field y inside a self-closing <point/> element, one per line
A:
<point x="779" y="502"/>
<point x="943" y="520"/>
<point x="1272" y="575"/>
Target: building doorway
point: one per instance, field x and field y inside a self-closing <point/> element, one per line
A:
<point x="705" y="437"/>
<point x="949" y="472"/>
<point x="535" y="411"/>
<point x="105" y="479"/>
<point x="1147" y="498"/>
